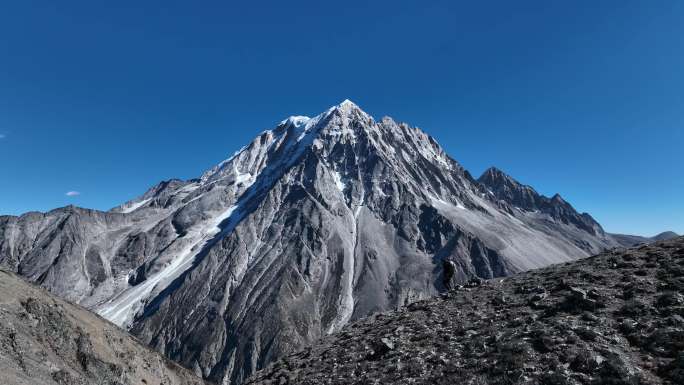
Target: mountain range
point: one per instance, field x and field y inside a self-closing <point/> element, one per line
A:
<point x="316" y="223"/>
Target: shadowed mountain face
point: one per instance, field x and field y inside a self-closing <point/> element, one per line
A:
<point x="525" y="198"/>
<point x="615" y="318"/>
<point x="47" y="341"/>
<point x="315" y="223"/>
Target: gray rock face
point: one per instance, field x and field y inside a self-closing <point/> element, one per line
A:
<point x="512" y="193"/>
<point x="615" y="318"/>
<point x="47" y="341"/>
<point x="315" y="223"/>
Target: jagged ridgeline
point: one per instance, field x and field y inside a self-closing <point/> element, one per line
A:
<point x="313" y="224"/>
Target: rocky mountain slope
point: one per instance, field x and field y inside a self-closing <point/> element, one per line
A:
<point x="313" y="224"/>
<point x="616" y="318"/>
<point x="664" y="236"/>
<point x="634" y="240"/>
<point x="45" y="340"/>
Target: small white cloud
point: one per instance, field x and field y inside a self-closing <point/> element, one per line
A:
<point x="72" y="193"/>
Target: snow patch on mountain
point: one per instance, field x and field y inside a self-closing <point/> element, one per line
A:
<point x="338" y="181"/>
<point x="121" y="309"/>
<point x="441" y="202"/>
<point x="296" y="121"/>
<point x="134" y="206"/>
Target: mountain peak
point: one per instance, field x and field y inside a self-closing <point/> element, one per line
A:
<point x="493" y="170"/>
<point x="494" y="173"/>
<point x="348" y="108"/>
<point x="495" y="178"/>
<point x="557" y="198"/>
<point x="514" y="193"/>
<point x="664" y="236"/>
<point x="345" y="108"/>
<point x="346" y="103"/>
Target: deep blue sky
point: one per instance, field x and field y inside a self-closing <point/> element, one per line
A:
<point x="575" y="97"/>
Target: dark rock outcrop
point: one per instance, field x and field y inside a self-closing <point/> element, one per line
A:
<point x="513" y="194"/>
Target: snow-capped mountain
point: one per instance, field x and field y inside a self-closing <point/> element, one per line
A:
<point x="315" y="223"/>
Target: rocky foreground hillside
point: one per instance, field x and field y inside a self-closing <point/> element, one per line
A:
<point x="616" y="318"/>
<point x="46" y="341"/>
